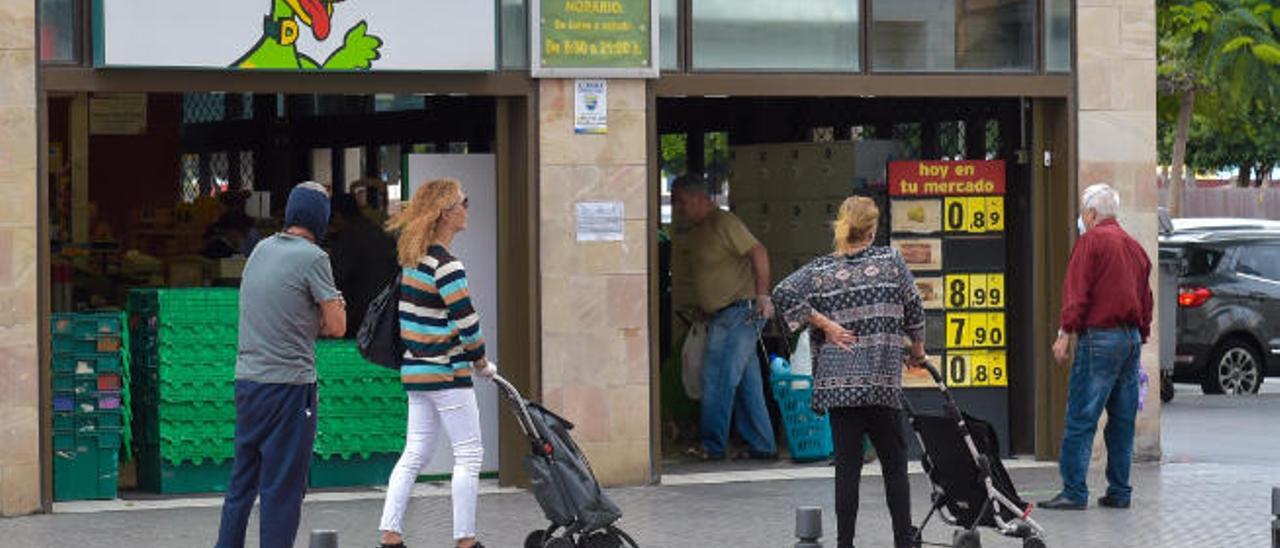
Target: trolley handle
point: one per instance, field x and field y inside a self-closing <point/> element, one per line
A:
<point x="522" y="407"/>
<point x="933" y="371"/>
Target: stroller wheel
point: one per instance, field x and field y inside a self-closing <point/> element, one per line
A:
<point x="966" y="539"/>
<point x="559" y="542"/>
<point x="1033" y="542"/>
<point x="600" y="539"/>
<point x="535" y="539"/>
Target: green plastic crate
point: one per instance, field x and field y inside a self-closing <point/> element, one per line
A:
<point x="85" y="467"/>
<point x="354" y="472"/>
<point x="87" y="325"/>
<point x="198" y="448"/>
<point x="89" y="364"/>
<point x="88" y="423"/>
<point x="157" y="475"/>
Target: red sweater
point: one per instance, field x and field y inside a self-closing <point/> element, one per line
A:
<point x="1107" y="282"/>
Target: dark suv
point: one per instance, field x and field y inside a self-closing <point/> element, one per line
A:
<point x="1228" y="308"/>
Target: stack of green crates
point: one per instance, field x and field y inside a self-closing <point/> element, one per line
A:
<point x="184" y="347"/>
<point x="362" y="417"/>
<point x="91" y="407"/>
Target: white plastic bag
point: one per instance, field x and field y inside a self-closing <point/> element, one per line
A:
<point x="802" y="356"/>
<point x="695" y="345"/>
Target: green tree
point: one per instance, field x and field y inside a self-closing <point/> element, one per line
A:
<point x="1230" y="47"/>
<point x="1227" y="134"/>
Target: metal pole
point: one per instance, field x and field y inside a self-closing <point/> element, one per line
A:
<point x="809" y="527"/>
<point x="1275" y="513"/>
<point x="323" y="538"/>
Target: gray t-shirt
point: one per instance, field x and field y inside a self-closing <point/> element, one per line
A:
<point x="285" y="280"/>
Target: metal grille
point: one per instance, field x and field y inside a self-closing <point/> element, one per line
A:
<point x="247" y="171"/>
<point x="189" y="186"/>
<point x="993" y="139"/>
<point x="910" y="136"/>
<point x="203" y="107"/>
<point x="219" y="174"/>
<point x="951" y="137"/>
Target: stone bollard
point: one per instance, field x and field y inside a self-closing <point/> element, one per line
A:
<point x="809" y="527"/>
<point x="1275" y="513"/>
<point x="322" y="538"/>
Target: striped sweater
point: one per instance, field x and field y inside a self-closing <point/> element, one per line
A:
<point x="440" y="327"/>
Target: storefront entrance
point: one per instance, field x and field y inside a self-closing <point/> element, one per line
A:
<point x="783" y="165"/>
<point x="155" y="202"/>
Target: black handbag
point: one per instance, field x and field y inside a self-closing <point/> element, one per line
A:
<point x="379" y="336"/>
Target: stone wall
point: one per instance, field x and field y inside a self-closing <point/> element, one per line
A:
<point x="595" y="302"/>
<point x="19" y="370"/>
<point x="1116" y="96"/>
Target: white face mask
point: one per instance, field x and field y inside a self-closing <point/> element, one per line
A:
<point x="1080" y="225"/>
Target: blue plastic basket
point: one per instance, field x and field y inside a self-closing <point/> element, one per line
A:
<point x="808" y="434"/>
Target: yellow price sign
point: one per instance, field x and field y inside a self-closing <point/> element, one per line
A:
<point x="955" y="215"/>
<point x="996" y="334"/>
<point x="981" y="364"/>
<point x="995" y="214"/>
<point x="973" y="215"/>
<point x="974" y="291"/>
<point x="957" y="293"/>
<point x="995" y="291"/>
<point x="977" y="219"/>
<point x="999" y="370"/>
<point x="959" y="369"/>
<point x="975" y="330"/>
<point x="978" y="291"/>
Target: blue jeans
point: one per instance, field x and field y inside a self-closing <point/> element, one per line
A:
<point x="1103" y="376"/>
<point x="732" y="385"/>
<point x="275" y="432"/>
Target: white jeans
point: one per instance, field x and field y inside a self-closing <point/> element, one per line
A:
<point x="455" y="411"/>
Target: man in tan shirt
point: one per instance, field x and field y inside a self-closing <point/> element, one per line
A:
<point x="731" y="277"/>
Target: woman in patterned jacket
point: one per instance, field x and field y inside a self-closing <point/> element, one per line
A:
<point x="444" y="348"/>
<point x="862" y="307"/>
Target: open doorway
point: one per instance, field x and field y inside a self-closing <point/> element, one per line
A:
<point x="784" y="165"/>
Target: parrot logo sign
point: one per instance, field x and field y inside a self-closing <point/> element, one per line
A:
<point x="277" y="48"/>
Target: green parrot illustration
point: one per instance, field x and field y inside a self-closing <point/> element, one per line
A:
<point x="277" y="48"/>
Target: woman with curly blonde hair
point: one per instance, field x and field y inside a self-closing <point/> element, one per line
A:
<point x="861" y="305"/>
<point x="443" y="348"/>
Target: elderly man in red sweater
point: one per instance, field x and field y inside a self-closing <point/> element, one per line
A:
<point x="1106" y="305"/>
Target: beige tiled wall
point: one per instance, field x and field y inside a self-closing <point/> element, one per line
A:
<point x="19" y="379"/>
<point x="1117" y="143"/>
<point x="595" y="357"/>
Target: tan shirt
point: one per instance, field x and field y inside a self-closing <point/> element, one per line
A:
<point x="721" y="270"/>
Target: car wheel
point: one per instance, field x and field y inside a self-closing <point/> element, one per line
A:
<point x="1235" y="369"/>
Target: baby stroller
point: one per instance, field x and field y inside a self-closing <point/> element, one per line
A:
<point x="971" y="487"/>
<point x="581" y="515"/>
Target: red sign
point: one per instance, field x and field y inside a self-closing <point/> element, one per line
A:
<point x="944" y="178"/>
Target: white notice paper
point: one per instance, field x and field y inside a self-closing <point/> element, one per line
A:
<point x="590" y="107"/>
<point x="599" y="221"/>
<point x="118" y="114"/>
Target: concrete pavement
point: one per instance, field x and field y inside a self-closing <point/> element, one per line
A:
<point x="1212" y="491"/>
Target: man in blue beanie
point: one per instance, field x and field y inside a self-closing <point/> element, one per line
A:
<point x="287" y="300"/>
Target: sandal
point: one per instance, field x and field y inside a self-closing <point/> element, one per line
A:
<point x="698" y="453"/>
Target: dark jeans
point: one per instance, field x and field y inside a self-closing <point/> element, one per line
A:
<point x="884" y="426"/>
<point x="275" y="433"/>
<point x="732" y="384"/>
<point x="1104" y="375"/>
